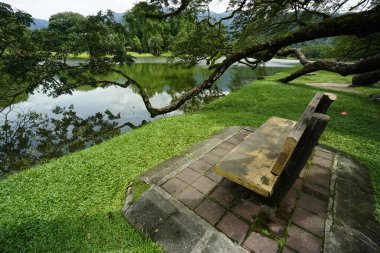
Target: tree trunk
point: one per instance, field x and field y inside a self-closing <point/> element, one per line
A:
<point x="360" y="24"/>
<point x="367" y="78"/>
<point x="366" y="66"/>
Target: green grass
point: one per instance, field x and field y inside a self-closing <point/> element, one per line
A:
<point x="134" y="54"/>
<point x="74" y="203"/>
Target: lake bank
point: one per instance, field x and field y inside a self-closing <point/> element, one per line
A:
<point x="73" y="203"/>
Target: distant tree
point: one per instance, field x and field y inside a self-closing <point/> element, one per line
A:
<point x="155" y="44"/>
<point x="136" y="44"/>
<point x="62" y="34"/>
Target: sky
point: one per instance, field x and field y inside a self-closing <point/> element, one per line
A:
<point x="43" y="9"/>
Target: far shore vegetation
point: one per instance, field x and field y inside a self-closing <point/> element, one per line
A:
<point x="133" y="54"/>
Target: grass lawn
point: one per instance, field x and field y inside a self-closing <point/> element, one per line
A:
<point x="73" y="203"/>
<point x="134" y="54"/>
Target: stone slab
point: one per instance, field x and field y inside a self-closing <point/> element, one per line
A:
<point x="352" y="224"/>
<point x="150" y="210"/>
<point x="177" y="229"/>
<point x="217" y="243"/>
<point x="179" y="233"/>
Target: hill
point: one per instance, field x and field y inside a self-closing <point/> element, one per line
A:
<point x="39" y="23"/>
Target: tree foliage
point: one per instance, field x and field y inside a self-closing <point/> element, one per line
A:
<point x="354" y="48"/>
<point x="261" y="29"/>
<point x="19" y="55"/>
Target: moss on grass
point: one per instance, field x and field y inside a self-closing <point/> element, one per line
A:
<point x="64" y="205"/>
<point x="139" y="187"/>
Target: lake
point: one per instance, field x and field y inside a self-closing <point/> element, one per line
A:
<point x="46" y="132"/>
<point x="161" y="82"/>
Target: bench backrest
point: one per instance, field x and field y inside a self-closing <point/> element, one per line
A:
<point x="318" y="105"/>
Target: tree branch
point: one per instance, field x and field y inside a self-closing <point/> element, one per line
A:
<point x="367" y="78"/>
<point x="360" y="24"/>
<point x="301" y="57"/>
<point x="182" y="7"/>
<point x="344" y="69"/>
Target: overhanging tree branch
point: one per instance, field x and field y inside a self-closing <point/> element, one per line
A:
<point x="365" y="65"/>
<point x="359" y="24"/>
<point x="184" y="4"/>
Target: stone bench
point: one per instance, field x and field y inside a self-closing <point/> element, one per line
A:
<point x="278" y="147"/>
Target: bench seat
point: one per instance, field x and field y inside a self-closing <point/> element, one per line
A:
<point x="280" y="148"/>
<point x="251" y="162"/>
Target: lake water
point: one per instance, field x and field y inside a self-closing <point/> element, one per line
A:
<point x="161" y="81"/>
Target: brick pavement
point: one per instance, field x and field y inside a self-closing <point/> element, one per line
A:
<point x="296" y="224"/>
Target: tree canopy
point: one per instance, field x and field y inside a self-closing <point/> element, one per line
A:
<point x="260" y="31"/>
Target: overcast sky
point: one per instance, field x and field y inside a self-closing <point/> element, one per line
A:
<point x="43" y="9"/>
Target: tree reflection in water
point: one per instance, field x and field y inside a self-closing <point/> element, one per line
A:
<point x="32" y="138"/>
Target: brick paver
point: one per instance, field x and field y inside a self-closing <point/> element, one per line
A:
<point x="313" y="204"/>
<point x="303" y="241"/>
<point x="190" y="197"/>
<point x="233" y="227"/>
<point x="222" y="196"/>
<point x="234" y="141"/>
<point x="200" y="166"/>
<point x="174" y="186"/>
<point x="241" y="135"/>
<point x="298" y="184"/>
<point x="316" y="190"/>
<point x="213" y="176"/>
<point x="287" y="250"/>
<point x="188" y="175"/>
<point x="260" y="244"/>
<point x="309" y="221"/>
<point x="322" y="180"/>
<point x="317" y="170"/>
<point x="275" y="222"/>
<point x="247" y="209"/>
<point x="303" y="173"/>
<point x="204" y="184"/>
<point x="210" y="211"/>
<point x="219" y="151"/>
<point x="322" y="162"/>
<point x="210" y="158"/>
<point x="319" y="175"/>
<point x="326" y="155"/>
<point x="227" y="145"/>
<point x="288" y="202"/>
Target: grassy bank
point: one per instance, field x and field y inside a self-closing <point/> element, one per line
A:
<point x="134" y="54"/>
<point x="73" y="203"/>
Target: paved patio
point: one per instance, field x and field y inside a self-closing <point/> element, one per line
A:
<point x="190" y="208"/>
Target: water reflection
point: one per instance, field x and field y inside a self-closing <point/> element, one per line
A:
<point x="42" y="129"/>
